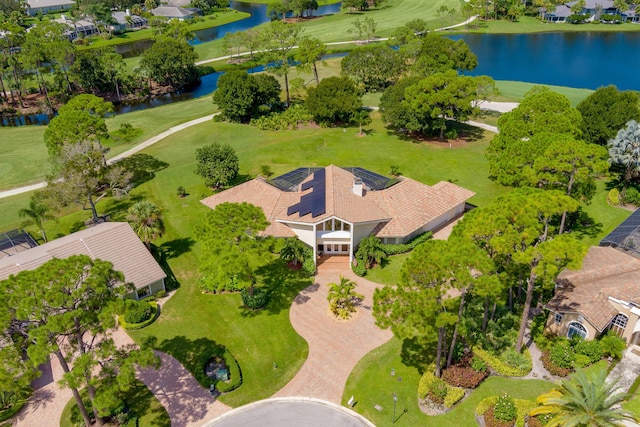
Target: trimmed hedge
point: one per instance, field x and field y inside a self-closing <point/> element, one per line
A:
<point x="401" y="248"/>
<point x="454" y="395"/>
<point x="500" y="367"/>
<point x="155" y="312"/>
<point x="522" y="405"/>
<point x="235" y="373"/>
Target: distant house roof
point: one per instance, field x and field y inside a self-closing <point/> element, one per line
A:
<point x="35" y="4"/>
<point x="179" y="3"/>
<point x="403" y="207"/>
<point x="115" y="242"/>
<point x="606" y="272"/>
<point x="121" y="18"/>
<point x="171" y="12"/>
<point x="561" y="11"/>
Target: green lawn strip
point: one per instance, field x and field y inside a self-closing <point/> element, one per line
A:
<point x="23" y="155"/>
<point x="214" y="20"/>
<point x="529" y="24"/>
<point x="371" y="383"/>
<point x="602" y="218"/>
<point x="142" y="404"/>
<point x="515" y="91"/>
<point x="633" y="405"/>
<point x="389" y="274"/>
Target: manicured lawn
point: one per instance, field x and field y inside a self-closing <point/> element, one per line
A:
<point x="633" y="405"/>
<point x="515" y="91"/>
<point x="602" y="217"/>
<point x="142" y="403"/>
<point x="371" y="383"/>
<point x="389" y="274"/>
<point x="23" y="154"/>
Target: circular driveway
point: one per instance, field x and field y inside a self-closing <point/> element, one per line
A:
<point x="290" y="412"/>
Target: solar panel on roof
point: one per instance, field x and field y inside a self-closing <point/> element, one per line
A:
<point x="371" y="180"/>
<point x="291" y="180"/>
<point x="626" y="234"/>
<point x="313" y="203"/>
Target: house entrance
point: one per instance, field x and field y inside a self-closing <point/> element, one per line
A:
<point x="333" y="248"/>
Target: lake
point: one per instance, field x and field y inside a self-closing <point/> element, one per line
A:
<point x="581" y="60"/>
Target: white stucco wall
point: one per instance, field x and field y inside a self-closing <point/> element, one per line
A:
<point x="304" y="233"/>
<point x="360" y="231"/>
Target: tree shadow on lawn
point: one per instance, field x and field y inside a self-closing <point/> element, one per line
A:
<point x="139" y="399"/>
<point x="167" y="251"/>
<point x="583" y="225"/>
<point x="143" y="167"/>
<point x="117" y="207"/>
<point x="415" y="353"/>
<point x="282" y="284"/>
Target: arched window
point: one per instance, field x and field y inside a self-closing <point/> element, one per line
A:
<point x="576" y="328"/>
<point x="619" y="324"/>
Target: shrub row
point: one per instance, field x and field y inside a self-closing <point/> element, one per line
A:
<point x="523" y="408"/>
<point x="235" y="373"/>
<point x="284" y="120"/>
<point x="155" y="312"/>
<point x="552" y="367"/>
<point x="466" y="377"/>
<point x="401" y="248"/>
<point x="501" y="367"/>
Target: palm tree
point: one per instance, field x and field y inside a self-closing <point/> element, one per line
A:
<point x="343" y="297"/>
<point x="584" y="400"/>
<point x="294" y="250"/>
<point x="362" y="118"/>
<point x="37" y="214"/>
<point x="145" y="220"/>
<point x="370" y="251"/>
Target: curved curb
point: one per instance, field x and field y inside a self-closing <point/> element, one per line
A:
<point x="280" y="400"/>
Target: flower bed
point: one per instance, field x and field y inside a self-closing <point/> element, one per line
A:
<point x="500" y="367"/>
<point x="523" y="408"/>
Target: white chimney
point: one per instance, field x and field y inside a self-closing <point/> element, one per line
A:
<point x="358" y="188"/>
<point x="127" y="12"/>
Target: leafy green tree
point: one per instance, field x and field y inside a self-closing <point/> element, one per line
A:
<point x="334" y="100"/>
<point x="268" y="92"/>
<point x="83" y="174"/>
<point x="279" y="39"/>
<point x="570" y="166"/>
<point x="231" y="242"/>
<point x="441" y="97"/>
<point x="541" y="114"/>
<point x="516" y="231"/>
<point x="146" y="221"/>
<point x="100" y="70"/>
<point x="370" y="251"/>
<point x="294" y="251"/>
<point x="353" y="5"/>
<point x="235" y="96"/>
<point x="375" y="67"/>
<point x="396" y="111"/>
<point x="37" y="214"/>
<point x="439" y="54"/>
<point x="343" y="297"/>
<point x="586" y="399"/>
<point x="70" y="305"/>
<point x="170" y="62"/>
<point x="606" y="111"/>
<point x="310" y="51"/>
<point x="217" y="164"/>
<point x="624" y="151"/>
<point x="364" y="29"/>
<point x="10" y="52"/>
<point x="79" y="120"/>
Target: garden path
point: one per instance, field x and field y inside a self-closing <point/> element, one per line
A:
<point x="626" y="370"/>
<point x="335" y="346"/>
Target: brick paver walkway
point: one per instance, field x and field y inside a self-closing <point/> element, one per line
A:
<point x="335" y="346"/>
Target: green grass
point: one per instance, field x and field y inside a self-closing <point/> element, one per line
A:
<point x="515" y="91"/>
<point x="633" y="405"/>
<point x="601" y="217"/>
<point x="528" y="24"/>
<point x="142" y="403"/>
<point x="371" y="383"/>
<point x="23" y="155"/>
<point x="389" y="274"/>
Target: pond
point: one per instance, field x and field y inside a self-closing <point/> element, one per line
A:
<point x="581" y="60"/>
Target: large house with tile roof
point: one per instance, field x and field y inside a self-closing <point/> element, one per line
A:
<point x="115" y="242"/>
<point x="603" y="295"/>
<point x="331" y="209"/>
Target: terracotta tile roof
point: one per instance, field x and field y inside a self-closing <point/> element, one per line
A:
<point x="606" y="272"/>
<point x="258" y="193"/>
<point x="115" y="242"/>
<point x="403" y="208"/>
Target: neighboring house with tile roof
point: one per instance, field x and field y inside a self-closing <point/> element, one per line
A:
<point x="603" y="295"/>
<point x="126" y="21"/>
<point x="331" y="209"/>
<point x="173" y="12"/>
<point x="115" y="242"/>
<point x="562" y="11"/>
<point x="47" y="6"/>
